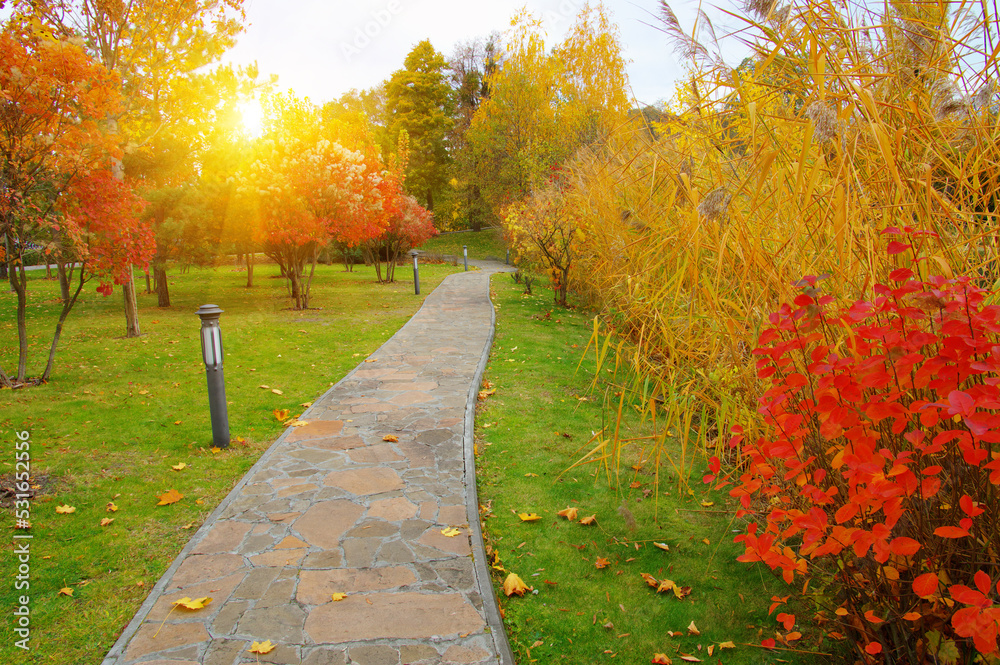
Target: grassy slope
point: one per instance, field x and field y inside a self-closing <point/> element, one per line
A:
<point x="119" y="412"/>
<point x="532" y="429"/>
<point x="482" y="244"/>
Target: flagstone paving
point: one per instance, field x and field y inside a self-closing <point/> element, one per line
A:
<point x="334" y="507"/>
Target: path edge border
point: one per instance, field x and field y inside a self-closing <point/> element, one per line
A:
<point x="118" y="648"/>
<point x="491" y="606"/>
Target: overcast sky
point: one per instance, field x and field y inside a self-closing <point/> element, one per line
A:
<point x="321" y="49"/>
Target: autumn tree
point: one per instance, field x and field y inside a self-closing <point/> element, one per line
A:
<point x="418" y="100"/>
<point x="470" y="65"/>
<point x="310" y="190"/>
<point x="545" y="104"/>
<point x="57" y="154"/>
<point x="152" y="45"/>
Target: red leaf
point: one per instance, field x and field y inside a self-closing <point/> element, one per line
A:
<point x="903" y="546"/>
<point x="768" y="643"/>
<point x="950" y="532"/>
<point x="896" y="247"/>
<point x="926" y="585"/>
<point x="873" y="648"/>
<point x="969" y="507"/>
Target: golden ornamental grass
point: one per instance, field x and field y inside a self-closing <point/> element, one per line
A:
<point x="841" y="124"/>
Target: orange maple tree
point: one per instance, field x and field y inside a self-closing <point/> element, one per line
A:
<point x="58" y="189"/>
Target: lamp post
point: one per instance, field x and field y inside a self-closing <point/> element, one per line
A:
<point x="507" y="260"/>
<point x="465" y="256"/>
<point x="416" y="272"/>
<point x="211" y="353"/>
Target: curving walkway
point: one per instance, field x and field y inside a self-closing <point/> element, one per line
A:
<point x="333" y="507"/>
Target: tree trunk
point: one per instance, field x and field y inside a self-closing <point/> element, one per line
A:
<point x="131" y="308"/>
<point x="149" y="287"/>
<point x="67" y="306"/>
<point x="249" y="270"/>
<point x="64" y="278"/>
<point x="19" y="284"/>
<point x="162" y="287"/>
<point x="312" y="271"/>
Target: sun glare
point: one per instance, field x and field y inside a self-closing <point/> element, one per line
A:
<point x="252" y="117"/>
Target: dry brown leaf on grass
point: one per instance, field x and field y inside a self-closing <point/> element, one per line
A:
<point x="169" y="497"/>
<point x="602" y="562"/>
<point x="107" y="521"/>
<point x="662" y="546"/>
<point x="568" y="513"/>
<point x="589" y="521"/>
<point x="661" y="659"/>
<point x="514" y="585"/>
<point x="277" y="392"/>
<point x="693" y="629"/>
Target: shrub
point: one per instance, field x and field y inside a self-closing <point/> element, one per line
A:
<point x="877" y="474"/>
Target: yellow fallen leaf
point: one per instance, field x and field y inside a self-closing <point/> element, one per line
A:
<point x="143" y="392"/>
<point x="529" y="517"/>
<point x="662" y="546"/>
<point x="65" y="591"/>
<point x="177" y="422"/>
<point x="111" y="507"/>
<point x="727" y="645"/>
<point x="169" y="497"/>
<point x="514" y="585"/>
<point x="602" y="562"/>
<point x="688" y="658"/>
<point x="450" y="532"/>
<point x="391" y="438"/>
<point x="706" y="541"/>
<point x="708" y="504"/>
<point x="589" y="521"/>
<point x="281" y="414"/>
<point x="199" y="502"/>
<point x="276" y="391"/>
<point x="306" y="404"/>
<point x="192" y="604"/>
<point x="180" y="466"/>
<point x="262" y="647"/>
<point x="107" y="521"/>
<point x="531" y="475"/>
<point x="297" y="423"/>
<point x="568" y="513"/>
<point x="336" y="597"/>
<point x="65" y="510"/>
<point x="265" y="387"/>
<point x="215" y="450"/>
<point x="693" y="629"/>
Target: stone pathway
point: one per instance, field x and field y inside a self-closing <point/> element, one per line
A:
<point x="334" y="507"/>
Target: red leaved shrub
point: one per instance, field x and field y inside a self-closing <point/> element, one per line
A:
<point x="878" y="472"/>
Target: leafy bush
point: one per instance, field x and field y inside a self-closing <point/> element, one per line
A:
<point x="877" y="475"/>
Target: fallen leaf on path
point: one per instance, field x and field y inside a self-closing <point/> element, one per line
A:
<point x="169" y="497"/>
<point x="262" y="647"/>
<point x="450" y="532"/>
<point x="391" y="438"/>
<point x="298" y="423"/>
<point x="192" y="604"/>
<point x="336" y="597"/>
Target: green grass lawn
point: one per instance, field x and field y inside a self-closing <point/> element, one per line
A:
<point x="487" y="243"/>
<point x="529" y="432"/>
<point x="119" y="413"/>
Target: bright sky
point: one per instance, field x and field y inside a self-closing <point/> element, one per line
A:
<point x="322" y="49"/>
